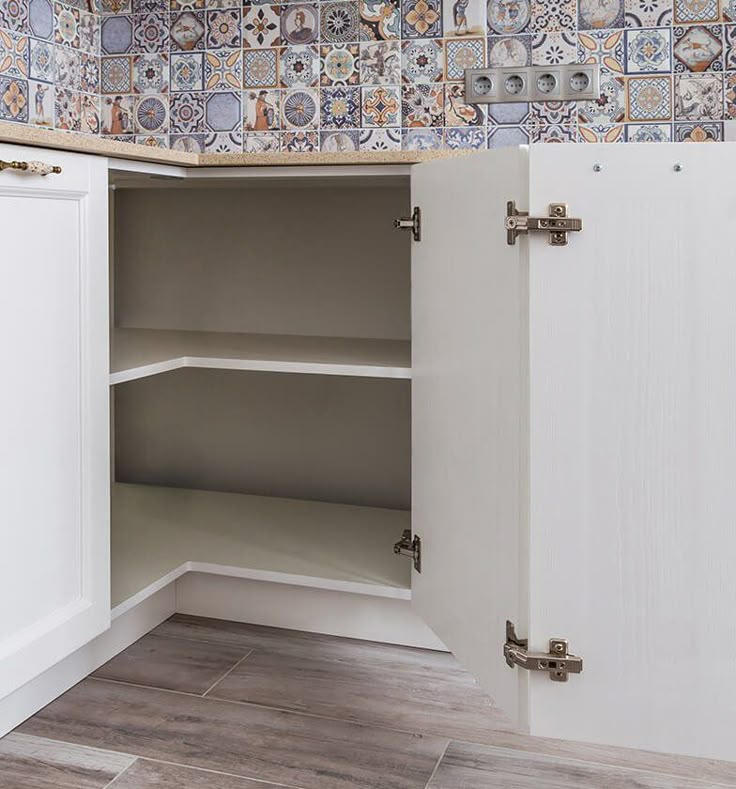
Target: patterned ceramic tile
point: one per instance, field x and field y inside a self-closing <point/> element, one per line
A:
<point x="41" y="63"/>
<point x="151" y="73"/>
<point x="421" y="139"/>
<point x="380" y="63"/>
<point x="299" y="23"/>
<point x="223" y="29"/>
<point x="117" y="115"/>
<point x="117" y="35"/>
<point x="191" y="143"/>
<point x="152" y="140"/>
<point x="14" y="99"/>
<point x="262" y="142"/>
<point x="650" y="98"/>
<point x="187" y="31"/>
<point x="339" y="64"/>
<point x="261" y="110"/>
<point x="649" y="51"/>
<point x="15" y="53"/>
<point x="551" y="113"/>
<point x="595" y="14"/>
<point x="40" y="18"/>
<point x="698" y="97"/>
<point x="300" y="109"/>
<point x="604" y="47"/>
<point x="299" y="66"/>
<point x="345" y="141"/>
<point x="729" y="40"/>
<point x="223" y="70"/>
<point x="508" y="114"/>
<point x="186" y="112"/>
<point x="340" y="107"/>
<point x="463" y="18"/>
<point x="729" y="10"/>
<point x="300" y="141"/>
<point x="148" y="6"/>
<point x="648" y="13"/>
<point x="261" y="26"/>
<point x="260" y="68"/>
<point x="380" y="20"/>
<point x="187" y="72"/>
<point x="14" y="15"/>
<point x="602" y="133"/>
<point x="465" y="138"/>
<point x="698" y="48"/>
<point x="116" y="75"/>
<point x="553" y="48"/>
<point x="422" y="19"/>
<point x="422" y="105"/>
<point x="553" y="134"/>
<point x="508" y="17"/>
<point x="41" y="104"/>
<point x="223" y="111"/>
<point x="509" y="51"/>
<point x="504" y="136"/>
<point x="67" y="110"/>
<point x="381" y="106"/>
<point x="461" y="54"/>
<point x="68" y="68"/>
<point x="648" y="132"/>
<point x="422" y="60"/>
<point x="224" y="142"/>
<point x="89" y="32"/>
<point x="698" y="132"/>
<point x="150" y="32"/>
<point x="553" y="15"/>
<point x="687" y="11"/>
<point x="730" y="88"/>
<point x="339" y="22"/>
<point x="457" y="112"/>
<point x="380" y="140"/>
<point x="610" y="107"/>
<point x="151" y="115"/>
<point x="89" y="80"/>
<point x="66" y="25"/>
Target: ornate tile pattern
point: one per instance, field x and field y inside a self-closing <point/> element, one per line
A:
<point x="373" y="75"/>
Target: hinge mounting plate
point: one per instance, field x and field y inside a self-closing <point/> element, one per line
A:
<point x="413" y="223"/>
<point x="557" y="662"/>
<point x="410" y="546"/>
<point x="558" y="224"/>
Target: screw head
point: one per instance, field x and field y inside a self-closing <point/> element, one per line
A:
<point x="597" y="168"/>
<point x="677" y="168"/>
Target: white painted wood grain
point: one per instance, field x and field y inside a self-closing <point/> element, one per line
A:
<point x="633" y="446"/>
<point x="469" y="297"/>
<point x="54" y="486"/>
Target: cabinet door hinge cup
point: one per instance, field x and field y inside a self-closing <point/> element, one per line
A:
<point x="558" y="224"/>
<point x="413" y="223"/>
<point x="558" y="663"/>
<point x="410" y="546"/>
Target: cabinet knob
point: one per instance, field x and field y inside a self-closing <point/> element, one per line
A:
<point x="36" y="168"/>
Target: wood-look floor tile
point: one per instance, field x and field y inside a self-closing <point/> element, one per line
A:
<point x="466" y="766"/>
<point x="239" y="739"/>
<point x="173" y="663"/>
<point x="378" y="684"/>
<point x="28" y="762"/>
<point x="154" y="775"/>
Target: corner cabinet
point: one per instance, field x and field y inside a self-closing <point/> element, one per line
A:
<point x="54" y="423"/>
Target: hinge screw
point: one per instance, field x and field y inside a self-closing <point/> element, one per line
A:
<point x="558" y="210"/>
<point x="677" y="168"/>
<point x="597" y="168"/>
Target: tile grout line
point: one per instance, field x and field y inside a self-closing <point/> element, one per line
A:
<point x="228" y="672"/>
<point x="437" y="765"/>
<point x="121" y="773"/>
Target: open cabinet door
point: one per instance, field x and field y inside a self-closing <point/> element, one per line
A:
<point x="469" y="464"/>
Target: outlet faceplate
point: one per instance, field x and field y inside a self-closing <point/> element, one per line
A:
<point x="573" y="82"/>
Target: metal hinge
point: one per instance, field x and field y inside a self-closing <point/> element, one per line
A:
<point x="413" y="223"/>
<point x="557" y="662"/>
<point x="410" y="546"/>
<point x="558" y="224"/>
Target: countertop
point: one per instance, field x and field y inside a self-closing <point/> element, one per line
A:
<point x="85" y="143"/>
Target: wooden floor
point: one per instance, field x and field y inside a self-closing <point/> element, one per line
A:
<point x="219" y="705"/>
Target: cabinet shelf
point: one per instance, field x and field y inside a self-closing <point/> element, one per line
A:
<point x="139" y="353"/>
<point x="160" y="533"/>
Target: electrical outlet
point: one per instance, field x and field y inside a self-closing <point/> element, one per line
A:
<point x="573" y="82"/>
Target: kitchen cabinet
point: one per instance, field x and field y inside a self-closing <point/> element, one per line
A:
<point x="295" y="384"/>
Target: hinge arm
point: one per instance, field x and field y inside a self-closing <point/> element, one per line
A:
<point x="557" y="662"/>
<point x="558" y="224"/>
<point x="410" y="546"/>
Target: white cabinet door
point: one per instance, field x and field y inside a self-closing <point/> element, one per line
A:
<point x="54" y="459"/>
<point x="469" y="348"/>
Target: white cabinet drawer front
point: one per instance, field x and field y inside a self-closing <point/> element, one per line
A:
<point x="53" y="416"/>
<point x="74" y="175"/>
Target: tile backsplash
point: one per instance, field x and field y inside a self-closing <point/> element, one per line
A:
<point x="371" y="75"/>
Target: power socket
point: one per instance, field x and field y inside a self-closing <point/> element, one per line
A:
<point x="573" y="82"/>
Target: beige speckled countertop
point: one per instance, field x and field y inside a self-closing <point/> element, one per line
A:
<point x="85" y="143"/>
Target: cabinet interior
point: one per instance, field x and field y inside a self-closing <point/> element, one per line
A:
<point x="260" y="371"/>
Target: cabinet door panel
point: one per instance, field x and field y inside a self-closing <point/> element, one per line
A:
<point x="469" y="480"/>
<point x="54" y="478"/>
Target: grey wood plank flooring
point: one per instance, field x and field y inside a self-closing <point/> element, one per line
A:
<point x="244" y="740"/>
<point x="173" y="663"/>
<point x="473" y="766"/>
<point x="155" y="775"/>
<point x="28" y="762"/>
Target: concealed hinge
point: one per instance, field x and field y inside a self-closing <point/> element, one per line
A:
<point x="410" y="546"/>
<point x="413" y="223"/>
<point x="557" y="662"/>
<point x="558" y="224"/>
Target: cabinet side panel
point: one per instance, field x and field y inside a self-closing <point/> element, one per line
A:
<point x="633" y="448"/>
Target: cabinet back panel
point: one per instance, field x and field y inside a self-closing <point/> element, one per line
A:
<point x="326" y="438"/>
<point x="314" y="261"/>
